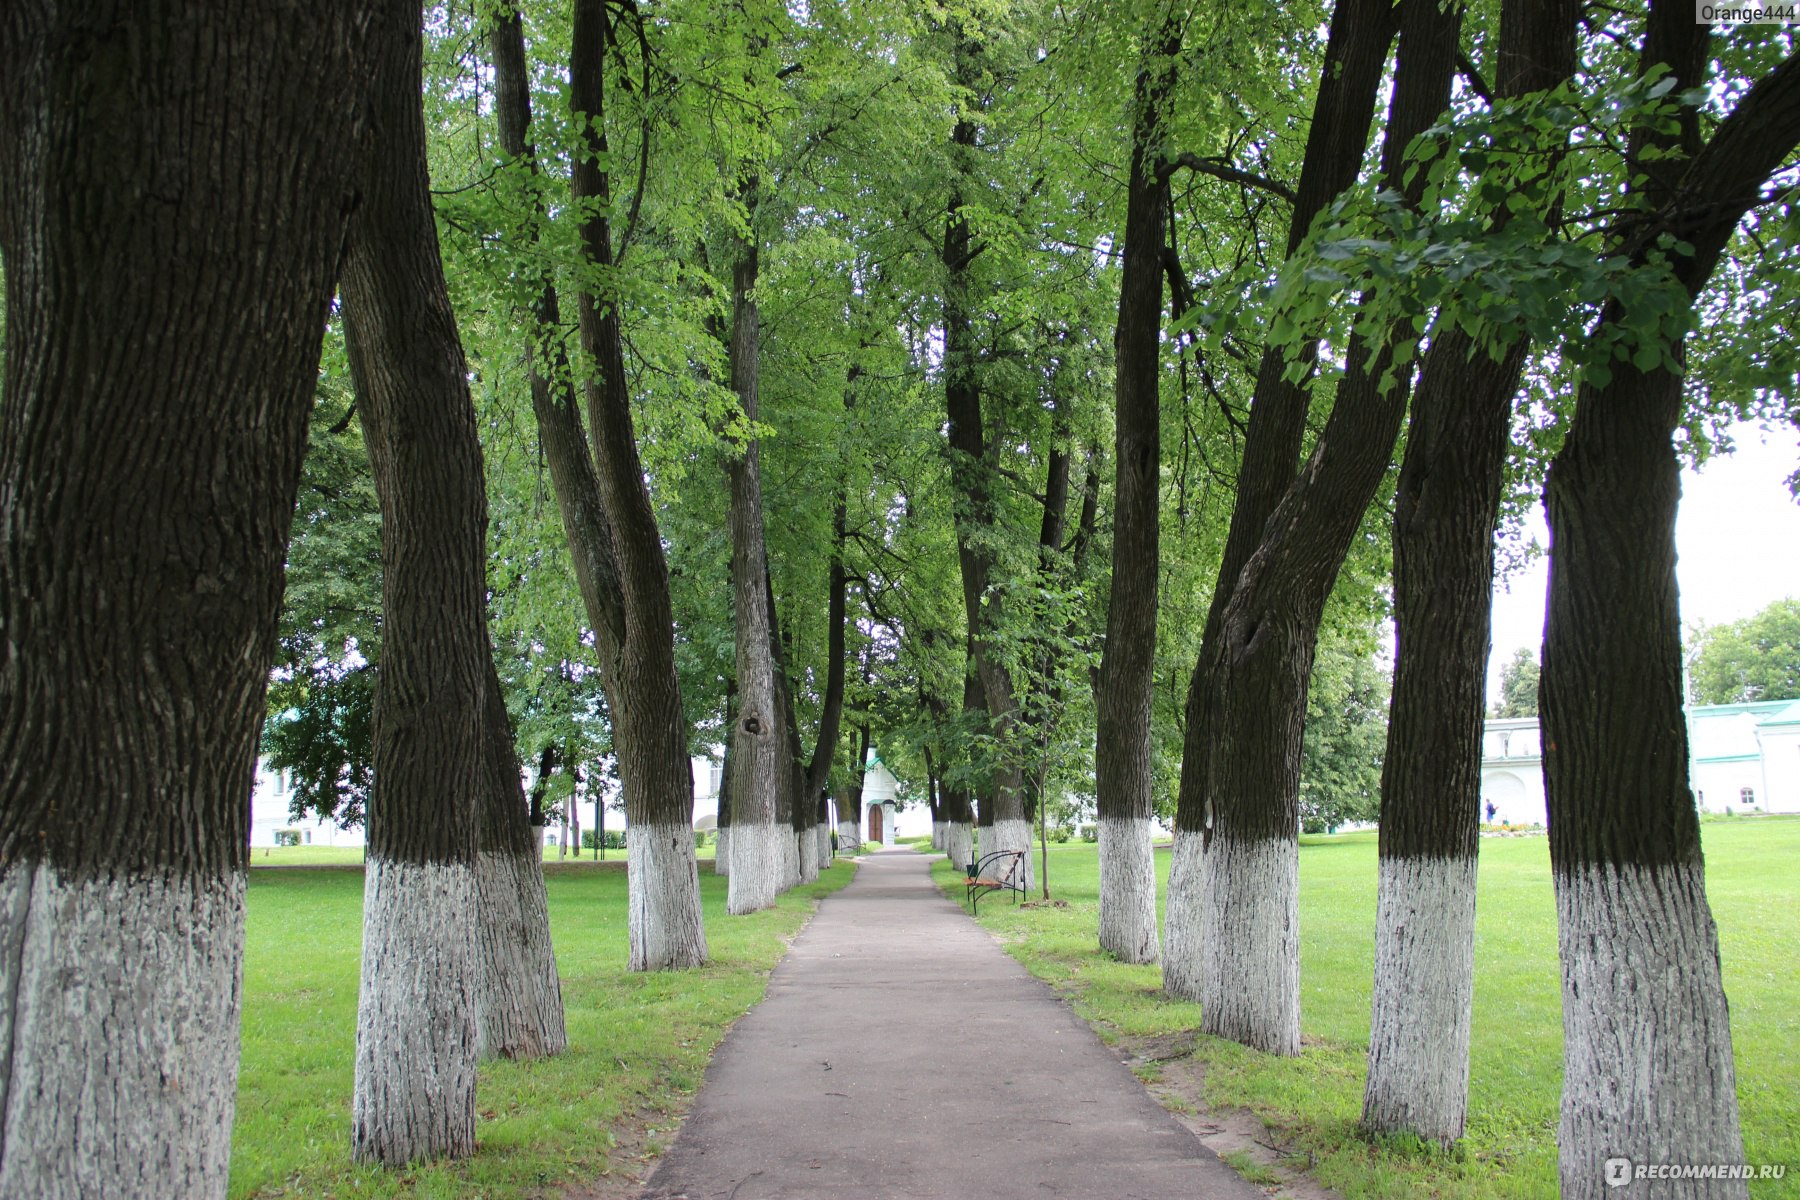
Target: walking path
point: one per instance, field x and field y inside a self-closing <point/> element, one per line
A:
<point x="901" y="1053"/>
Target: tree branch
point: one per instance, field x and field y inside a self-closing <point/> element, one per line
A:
<point x="1220" y="169"/>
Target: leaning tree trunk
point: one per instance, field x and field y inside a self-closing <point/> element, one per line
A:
<point x="416" y="1038"/>
<point x="174" y="183"/>
<point x="758" y="728"/>
<point x="1355" y="59"/>
<point x="1444" y="518"/>
<point x="650" y="729"/>
<point x="1122" y="743"/>
<point x="1647" y="1059"/>
<point x="1259" y="666"/>
<point x="519" y="1008"/>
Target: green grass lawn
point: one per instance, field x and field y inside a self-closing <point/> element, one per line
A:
<point x="1314" y="1101"/>
<point x="639" y="1043"/>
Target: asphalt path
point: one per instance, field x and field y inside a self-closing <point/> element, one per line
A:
<point x="900" y="1052"/>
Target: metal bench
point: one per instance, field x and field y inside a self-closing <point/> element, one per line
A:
<point x="998" y="871"/>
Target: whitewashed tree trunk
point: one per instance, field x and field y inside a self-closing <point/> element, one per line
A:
<point x="1250" y="943"/>
<point x="787" y="856"/>
<point x="1182" y="939"/>
<point x="1648" y="1072"/>
<point x="519" y="996"/>
<point x="822" y="844"/>
<point x="1127" y="890"/>
<point x="1015" y="835"/>
<point x="663" y="891"/>
<point x="938" y="834"/>
<point x="119" y="1005"/>
<point x="416" y="1039"/>
<point x="959" y="843"/>
<point x="722" y="852"/>
<point x="806" y="855"/>
<point x="849" y="839"/>
<point x="755" y="867"/>
<point x="1424" y="980"/>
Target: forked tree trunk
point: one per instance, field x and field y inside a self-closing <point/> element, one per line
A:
<point x="416" y="1035"/>
<point x="649" y="727"/>
<point x="1123" y="785"/>
<point x="1260" y="664"/>
<point x="759" y="727"/>
<point x="164" y="310"/>
<point x="1355" y="57"/>
<point x="1647" y="1058"/>
<point x="1444" y="518"/>
<point x="519" y="1007"/>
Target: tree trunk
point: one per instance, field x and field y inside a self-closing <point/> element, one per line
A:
<point x="758" y="728"/>
<point x="1647" y="1059"/>
<point x="1123" y="785"/>
<point x="1444" y="518"/>
<point x="416" y="1036"/>
<point x="649" y="731"/>
<point x="174" y="184"/>
<point x="1260" y="664"/>
<point x="722" y="852"/>
<point x="519" y="1005"/>
<point x="850" y="812"/>
<point x="818" y="771"/>
<point x="1355" y="57"/>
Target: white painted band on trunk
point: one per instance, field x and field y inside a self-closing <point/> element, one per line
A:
<point x="959" y="843"/>
<point x="1127" y="889"/>
<point x="806" y="855"/>
<point x="937" y="834"/>
<point x="722" y="851"/>
<point x="756" y="862"/>
<point x="414" y="1096"/>
<point x="787" y="857"/>
<point x="663" y="891"/>
<point x="1016" y="835"/>
<point x="1647" y="1067"/>
<point x="1424" y="986"/>
<point x="848" y="841"/>
<point x="1250" y="952"/>
<point x="1182" y="941"/>
<point x="822" y="844"/>
<point x="119" y="1008"/>
<point x="519" y="997"/>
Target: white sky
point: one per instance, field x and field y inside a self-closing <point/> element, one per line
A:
<point x="1737" y="544"/>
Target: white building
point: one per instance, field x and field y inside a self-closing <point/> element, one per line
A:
<point x="1746" y="757"/>
<point x="882" y="821"/>
<point x="270" y="824"/>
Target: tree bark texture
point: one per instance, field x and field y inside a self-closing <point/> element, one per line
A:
<point x="416" y="1037"/>
<point x="174" y="187"/>
<point x="1445" y="513"/>
<point x="649" y="730"/>
<point x="758" y="729"/>
<point x="1260" y="663"/>
<point x="1355" y="58"/>
<point x="1647" y="1059"/>
<point x="1123" y="784"/>
<point x="519" y="1009"/>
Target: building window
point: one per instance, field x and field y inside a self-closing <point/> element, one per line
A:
<point x="1748" y="796"/>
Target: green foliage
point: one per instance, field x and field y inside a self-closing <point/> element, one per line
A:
<point x="321" y="697"/>
<point x="1757" y="658"/>
<point x="1518" y="685"/>
<point x="1346" y="736"/>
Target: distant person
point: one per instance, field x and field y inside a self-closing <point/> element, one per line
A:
<point x="1490" y="812"/>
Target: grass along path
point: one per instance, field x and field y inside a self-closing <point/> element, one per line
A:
<point x="1312" y="1103"/>
<point x="639" y="1043"/>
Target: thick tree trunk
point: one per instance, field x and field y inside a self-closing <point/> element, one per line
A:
<point x="1355" y="58"/>
<point x="850" y="811"/>
<point x="519" y="1005"/>
<point x="174" y="183"/>
<point x="416" y="1035"/>
<point x="1647" y="1059"/>
<point x="1259" y="665"/>
<point x="1444" y="517"/>
<point x="1123" y="786"/>
<point x="649" y="730"/>
<point x="759" y="727"/>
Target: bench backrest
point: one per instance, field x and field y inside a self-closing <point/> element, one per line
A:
<point x="1009" y="866"/>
